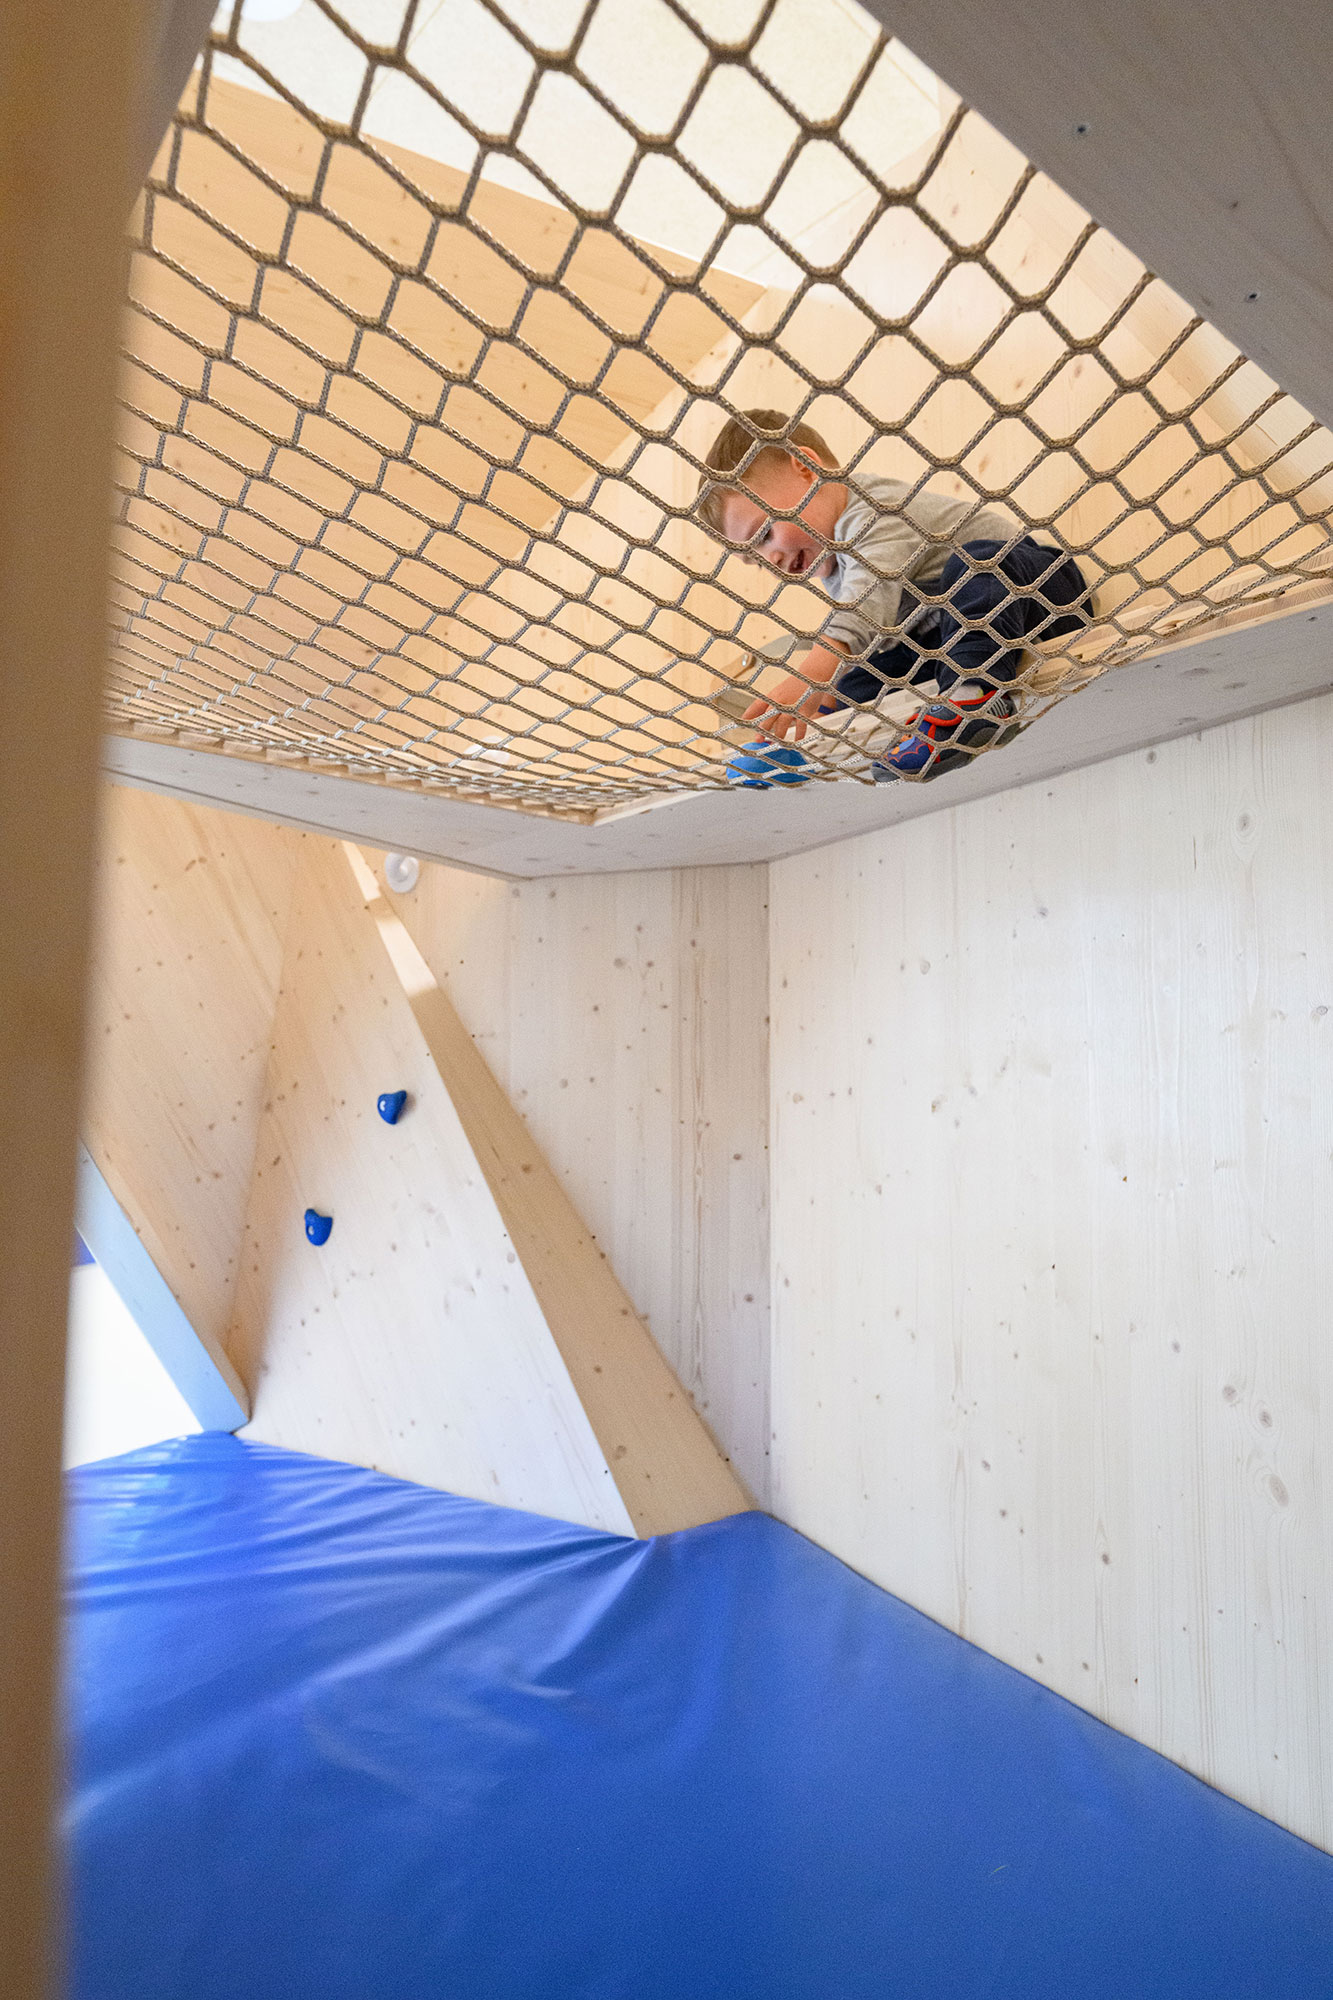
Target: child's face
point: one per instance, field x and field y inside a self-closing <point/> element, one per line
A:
<point x="789" y="546"/>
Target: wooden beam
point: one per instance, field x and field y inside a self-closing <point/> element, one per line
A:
<point x="670" y="1473"/>
<point x="66" y="112"/>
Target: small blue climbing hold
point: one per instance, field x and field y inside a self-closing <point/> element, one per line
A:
<point x="318" y="1227"/>
<point x="762" y="764"/>
<point x="390" y="1104"/>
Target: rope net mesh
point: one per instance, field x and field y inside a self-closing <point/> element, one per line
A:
<point x="435" y="310"/>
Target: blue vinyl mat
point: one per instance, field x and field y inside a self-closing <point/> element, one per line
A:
<point x="337" y="1737"/>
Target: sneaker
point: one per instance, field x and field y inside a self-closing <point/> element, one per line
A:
<point x="950" y="733"/>
<point x="764" y="763"/>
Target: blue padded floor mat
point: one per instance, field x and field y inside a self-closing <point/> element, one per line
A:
<point x="339" y="1737"/>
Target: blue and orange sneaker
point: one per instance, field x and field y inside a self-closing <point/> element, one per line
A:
<point x="950" y="733"/>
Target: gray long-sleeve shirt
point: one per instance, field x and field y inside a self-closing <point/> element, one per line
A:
<point x="895" y="540"/>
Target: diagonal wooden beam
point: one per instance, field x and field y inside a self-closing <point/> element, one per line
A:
<point x="668" y="1469"/>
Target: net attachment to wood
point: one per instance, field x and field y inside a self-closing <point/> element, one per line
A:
<point x="436" y="309"/>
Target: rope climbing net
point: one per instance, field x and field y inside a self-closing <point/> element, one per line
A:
<point x="435" y="309"/>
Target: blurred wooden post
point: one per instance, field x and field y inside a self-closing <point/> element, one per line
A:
<point x="66" y="108"/>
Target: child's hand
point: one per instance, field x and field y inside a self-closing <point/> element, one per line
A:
<point x="797" y="693"/>
<point x="791" y="693"/>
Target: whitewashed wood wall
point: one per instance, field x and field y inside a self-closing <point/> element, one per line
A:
<point x="1052" y="1170"/>
<point x="625" y="1015"/>
<point x="414" y="1342"/>
<point x="239" y="1036"/>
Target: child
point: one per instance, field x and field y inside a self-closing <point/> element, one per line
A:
<point x="994" y="592"/>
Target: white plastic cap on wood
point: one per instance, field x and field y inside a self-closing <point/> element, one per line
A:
<point x="402" y="872"/>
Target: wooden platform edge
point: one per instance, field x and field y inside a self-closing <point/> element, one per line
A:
<point x="1238" y="664"/>
<point x="666" y="1465"/>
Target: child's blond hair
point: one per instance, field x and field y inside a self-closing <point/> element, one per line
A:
<point x="737" y="437"/>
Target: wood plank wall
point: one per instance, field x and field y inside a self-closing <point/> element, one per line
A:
<point x="625" y="1015"/>
<point x="1052" y="1161"/>
<point x="412" y="1341"/>
<point x="192" y="911"/>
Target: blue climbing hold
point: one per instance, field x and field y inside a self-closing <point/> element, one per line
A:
<point x="389" y="1104"/>
<point x="762" y="764"/>
<point x="318" y="1227"/>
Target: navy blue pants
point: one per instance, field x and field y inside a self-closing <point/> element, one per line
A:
<point x="1005" y="597"/>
